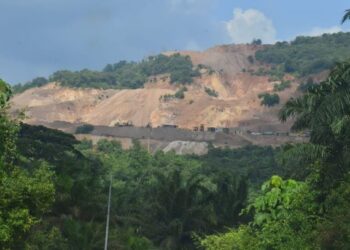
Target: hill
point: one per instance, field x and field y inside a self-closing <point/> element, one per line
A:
<point x="225" y="87"/>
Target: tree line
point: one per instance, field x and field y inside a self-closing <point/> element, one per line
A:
<point x="129" y="75"/>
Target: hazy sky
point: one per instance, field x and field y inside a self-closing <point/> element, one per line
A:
<point x="39" y="37"/>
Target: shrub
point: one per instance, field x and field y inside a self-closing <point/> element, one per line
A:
<point x="211" y="92"/>
<point x="269" y="100"/>
<point x="282" y="86"/>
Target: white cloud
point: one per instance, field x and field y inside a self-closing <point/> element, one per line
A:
<point x="317" y="31"/>
<point x="250" y="24"/>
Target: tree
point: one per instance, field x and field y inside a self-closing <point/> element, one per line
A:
<point x="325" y="111"/>
<point x="256" y="42"/>
<point x="283" y="218"/>
<point x="25" y="195"/>
<point x="269" y="100"/>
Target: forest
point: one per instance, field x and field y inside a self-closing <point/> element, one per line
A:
<point x="298" y="56"/>
<point x="54" y="188"/>
<point x="122" y="75"/>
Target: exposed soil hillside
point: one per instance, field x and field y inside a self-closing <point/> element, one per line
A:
<point x="237" y="103"/>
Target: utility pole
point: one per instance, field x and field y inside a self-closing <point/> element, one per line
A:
<point x="108" y="212"/>
<point x="148" y="139"/>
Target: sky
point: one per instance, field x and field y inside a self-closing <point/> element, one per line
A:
<point x="39" y="37"/>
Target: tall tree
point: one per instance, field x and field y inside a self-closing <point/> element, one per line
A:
<point x="25" y="196"/>
<point x="325" y="111"/>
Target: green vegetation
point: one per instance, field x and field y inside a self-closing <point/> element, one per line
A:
<point x="180" y="94"/>
<point x="211" y="92"/>
<point x="304" y="87"/>
<point x="311" y="212"/>
<point x="84" y="129"/>
<point x="268" y="99"/>
<point x="207" y="68"/>
<point x="54" y="188"/>
<point x="129" y="75"/>
<point x="308" y="55"/>
<point x="275" y="73"/>
<point x="26" y="195"/>
<point x="158" y="201"/>
<point x="346" y="16"/>
<point x="256" y="42"/>
<point x="282" y="86"/>
<point x="36" y="82"/>
<point x="251" y="59"/>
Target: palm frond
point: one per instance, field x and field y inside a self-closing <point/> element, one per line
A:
<point x="339" y="124"/>
<point x="306" y="152"/>
<point x="292" y="108"/>
<point x="346" y="16"/>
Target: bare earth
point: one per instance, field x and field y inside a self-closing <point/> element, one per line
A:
<point x="236" y="105"/>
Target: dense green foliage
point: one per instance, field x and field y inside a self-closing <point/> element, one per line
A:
<point x="36" y="82"/>
<point x="308" y="55"/>
<point x="243" y="161"/>
<point x="129" y="75"/>
<point x="54" y="188"/>
<point x="275" y="72"/>
<point x="312" y="213"/>
<point x="25" y="195"/>
<point x="269" y="100"/>
<point x="158" y="201"/>
<point x="166" y="201"/>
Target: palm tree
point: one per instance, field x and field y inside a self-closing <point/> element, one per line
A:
<point x="346" y="16"/>
<point x="325" y="111"/>
<point x="180" y="204"/>
<point x="324" y="107"/>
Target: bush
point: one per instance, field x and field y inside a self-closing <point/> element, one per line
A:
<point x="282" y="86"/>
<point x="84" y="129"/>
<point x="211" y="92"/>
<point x="250" y="59"/>
<point x="269" y="100"/>
<point x="180" y="94"/>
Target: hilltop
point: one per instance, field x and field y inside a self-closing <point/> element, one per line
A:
<point x="218" y="87"/>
